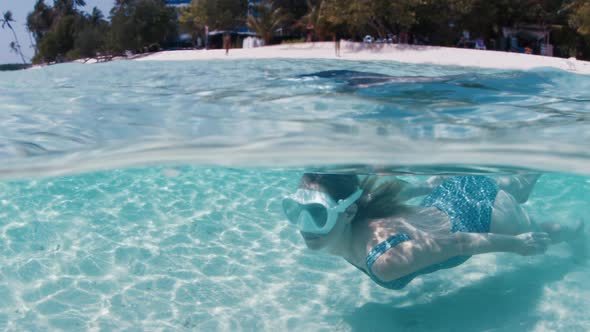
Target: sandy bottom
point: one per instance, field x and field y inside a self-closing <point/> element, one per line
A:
<point x="197" y="249"/>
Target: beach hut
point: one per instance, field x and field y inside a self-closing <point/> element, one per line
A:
<point x="215" y="38"/>
<point x="178" y="3"/>
<point x="523" y="37"/>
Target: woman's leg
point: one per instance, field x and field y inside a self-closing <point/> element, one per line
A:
<point x="519" y="186"/>
<point x="561" y="233"/>
<point x="510" y="218"/>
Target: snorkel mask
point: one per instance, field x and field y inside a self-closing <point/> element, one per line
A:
<point x="315" y="211"/>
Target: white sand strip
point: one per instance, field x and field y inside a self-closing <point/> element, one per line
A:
<point x="402" y="53"/>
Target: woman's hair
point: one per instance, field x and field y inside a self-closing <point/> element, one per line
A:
<point x="379" y="198"/>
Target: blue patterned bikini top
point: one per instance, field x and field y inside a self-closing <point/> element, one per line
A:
<point x="400" y="283"/>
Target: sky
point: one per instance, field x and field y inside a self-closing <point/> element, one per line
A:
<point x="20" y="9"/>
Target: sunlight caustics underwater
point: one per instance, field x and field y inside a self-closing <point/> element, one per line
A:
<point x="148" y="196"/>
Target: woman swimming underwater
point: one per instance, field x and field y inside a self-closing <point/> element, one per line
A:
<point x="370" y="224"/>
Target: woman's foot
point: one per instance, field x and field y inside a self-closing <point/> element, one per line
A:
<point x="562" y="233"/>
<point x="520" y="186"/>
<point x="579" y="244"/>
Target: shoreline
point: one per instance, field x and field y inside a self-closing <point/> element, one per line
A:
<point x="412" y="54"/>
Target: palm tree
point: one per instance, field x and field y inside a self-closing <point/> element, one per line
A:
<point x="68" y="7"/>
<point x="315" y="20"/>
<point x="193" y="19"/>
<point x="579" y="17"/>
<point x="267" y="20"/>
<point x="40" y="20"/>
<point x="15" y="45"/>
<point x="97" y="16"/>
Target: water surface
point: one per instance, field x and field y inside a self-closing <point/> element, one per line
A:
<point x="146" y="196"/>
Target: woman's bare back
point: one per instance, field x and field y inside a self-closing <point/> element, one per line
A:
<point x="417" y="222"/>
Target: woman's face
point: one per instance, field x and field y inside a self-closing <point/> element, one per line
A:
<point x="321" y="241"/>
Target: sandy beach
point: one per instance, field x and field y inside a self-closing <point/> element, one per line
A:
<point x="394" y="52"/>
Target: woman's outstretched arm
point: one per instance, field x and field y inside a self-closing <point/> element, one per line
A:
<point x="526" y="244"/>
<point x="416" y="254"/>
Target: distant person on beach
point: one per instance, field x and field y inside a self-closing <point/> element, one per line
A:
<point x="462" y="42"/>
<point x="403" y="37"/>
<point x="310" y="27"/>
<point x="370" y="224"/>
<point x="480" y="44"/>
<point x="226" y="42"/>
<point x="336" y="44"/>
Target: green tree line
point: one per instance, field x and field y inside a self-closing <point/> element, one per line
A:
<point x="63" y="31"/>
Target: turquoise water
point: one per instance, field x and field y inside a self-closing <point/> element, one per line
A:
<point x="146" y="196"/>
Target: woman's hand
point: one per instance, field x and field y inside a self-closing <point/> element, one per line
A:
<point x="532" y="243"/>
